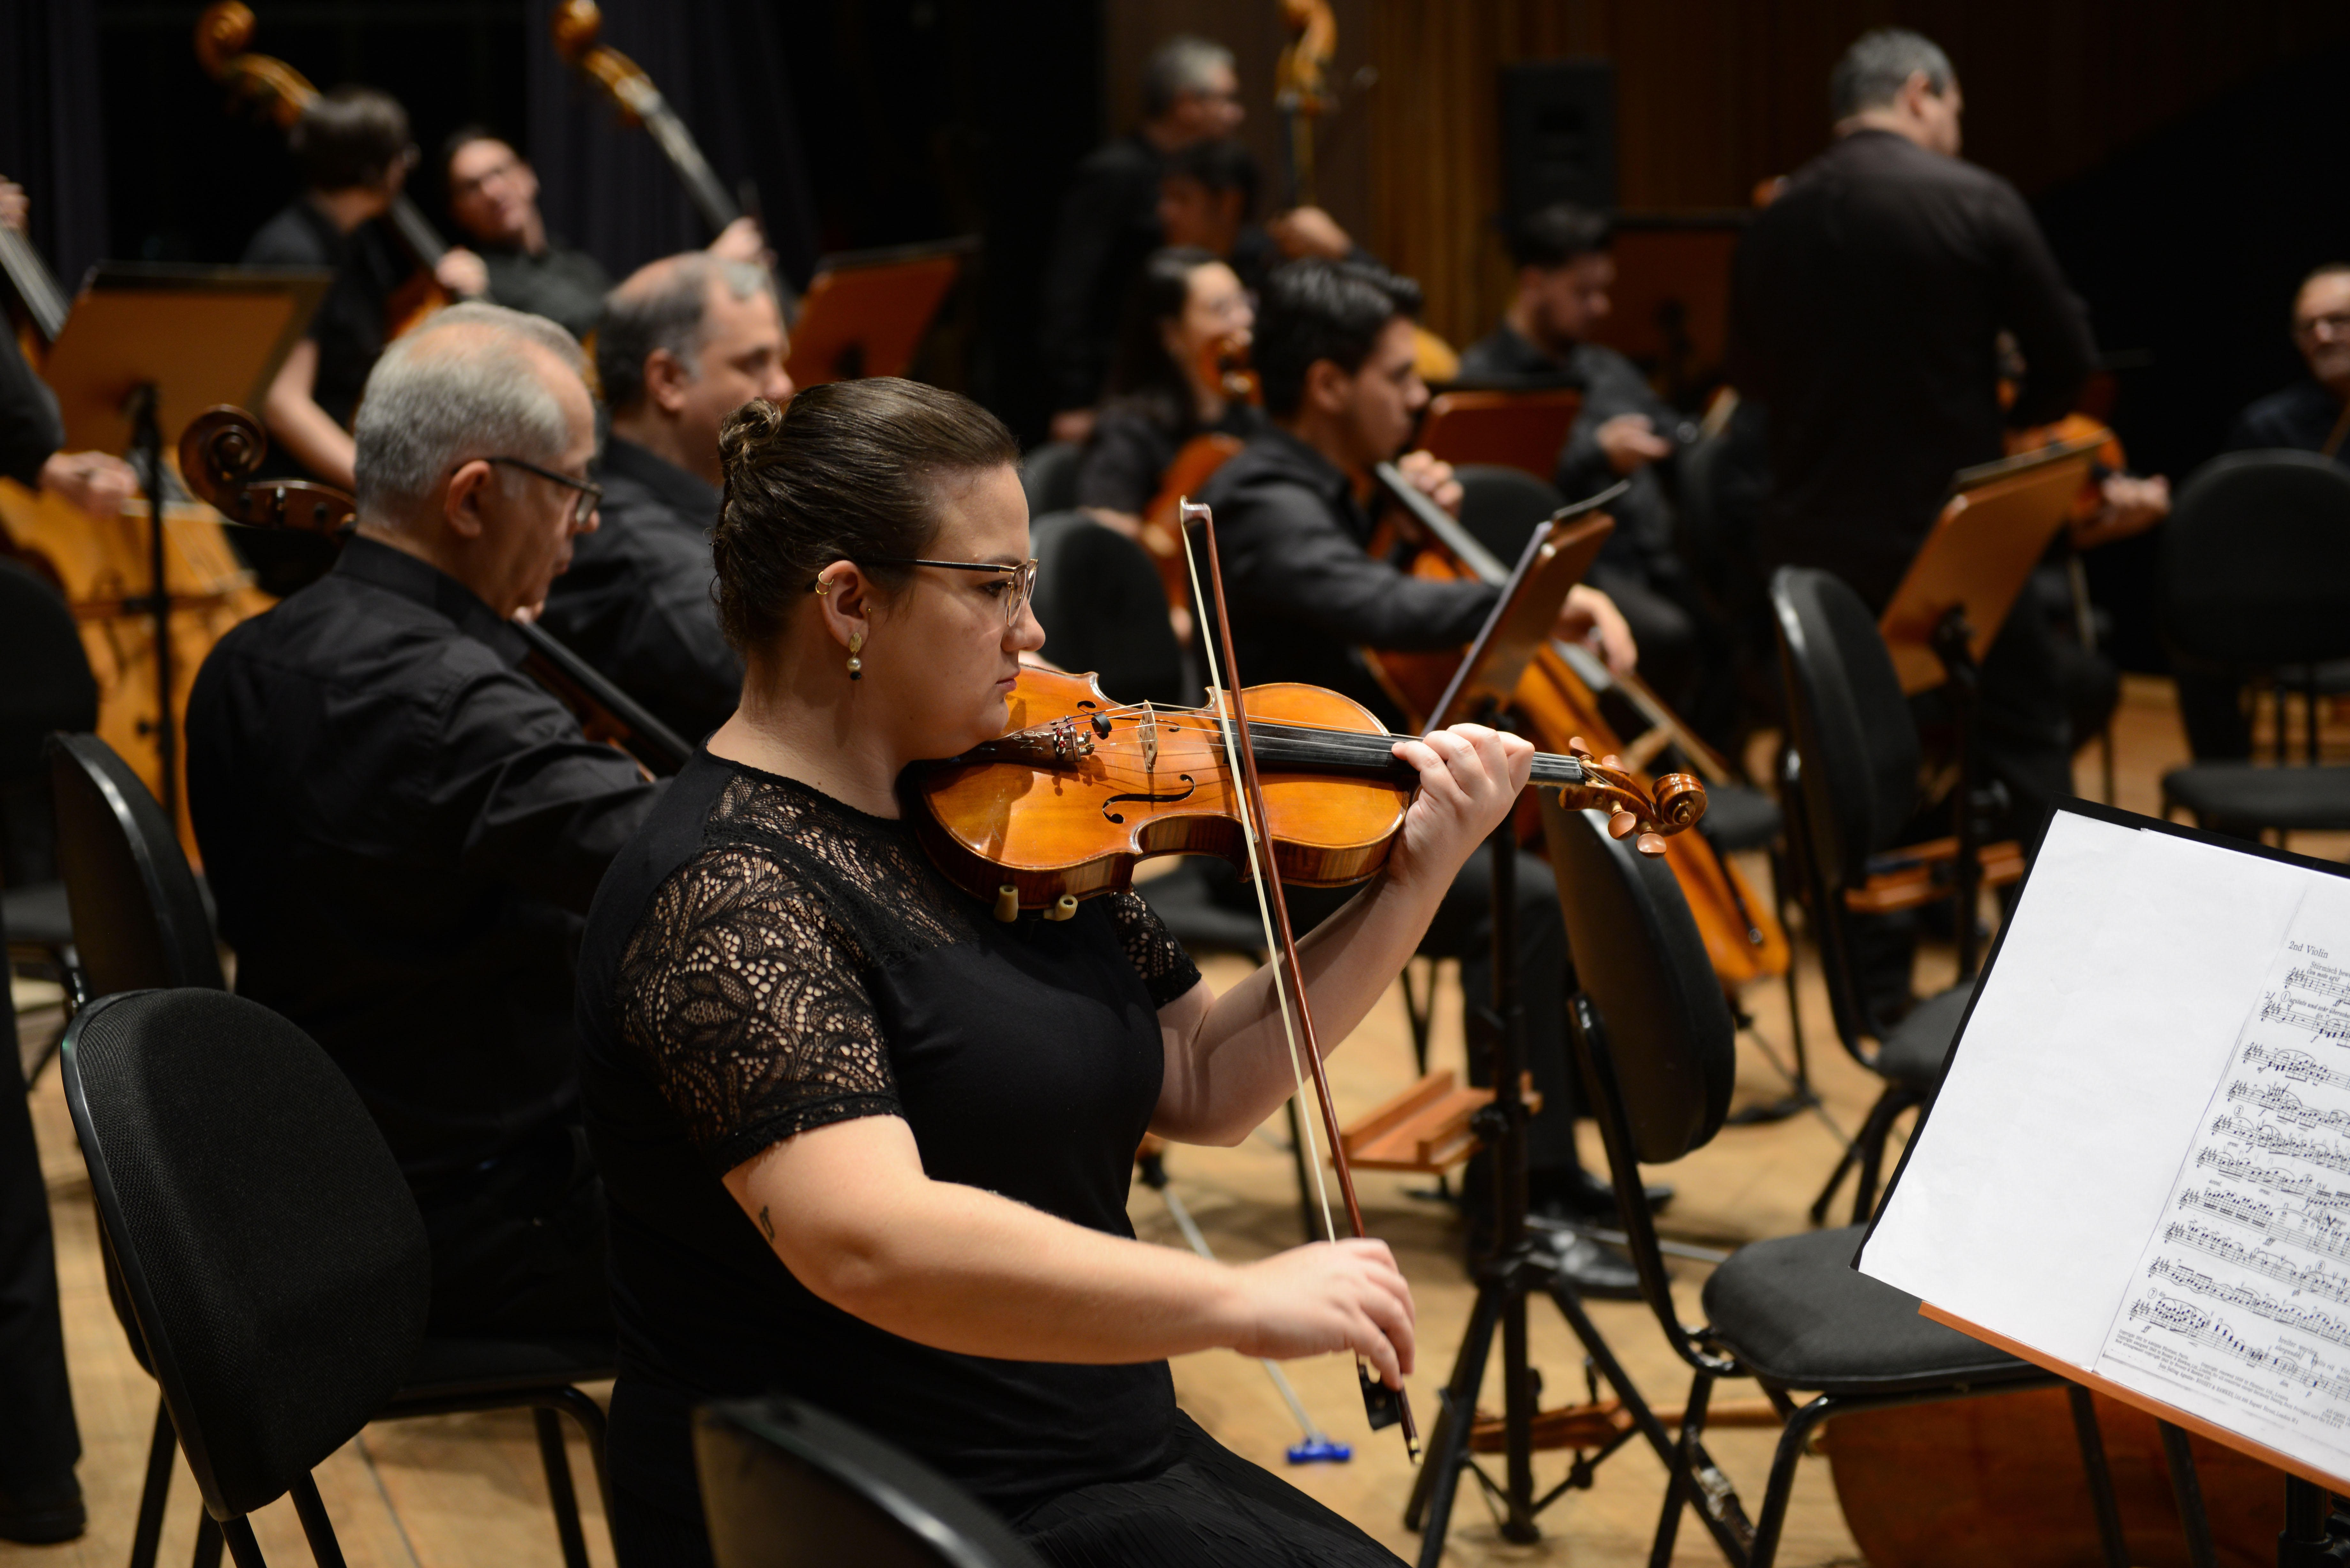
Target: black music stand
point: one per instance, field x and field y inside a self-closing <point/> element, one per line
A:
<point x="1554" y="560"/>
<point x="148" y="345"/>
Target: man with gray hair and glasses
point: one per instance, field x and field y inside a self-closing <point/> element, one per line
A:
<point x="403" y="833"/>
<point x="684" y="342"/>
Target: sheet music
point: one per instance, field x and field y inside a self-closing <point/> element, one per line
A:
<point x="2239" y="1307"/>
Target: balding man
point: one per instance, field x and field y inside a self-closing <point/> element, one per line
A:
<point x="684" y="342"/>
<point x="403" y="832"/>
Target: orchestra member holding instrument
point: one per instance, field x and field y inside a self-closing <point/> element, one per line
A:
<point x="1624" y="430"/>
<point x="493" y="197"/>
<point x="1109" y="220"/>
<point x="1189" y="313"/>
<point x="404" y="831"/>
<point x="684" y="342"/>
<point x="869" y="1143"/>
<point x="30" y="429"/>
<point x="1335" y="351"/>
<point x="352" y="151"/>
<point x="1208" y="198"/>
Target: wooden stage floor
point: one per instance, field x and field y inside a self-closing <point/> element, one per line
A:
<point x="442" y="1492"/>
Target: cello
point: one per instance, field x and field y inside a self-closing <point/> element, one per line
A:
<point x="1559" y="697"/>
<point x="577" y="25"/>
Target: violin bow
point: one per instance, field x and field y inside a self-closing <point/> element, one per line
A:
<point x="1382" y="1407"/>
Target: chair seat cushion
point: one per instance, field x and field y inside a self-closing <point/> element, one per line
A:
<point x="2309" y="799"/>
<point x="36" y="915"/>
<point x="1913" y="1050"/>
<point x="447" y="1366"/>
<point x="1797" y="1314"/>
<point x="1737" y="817"/>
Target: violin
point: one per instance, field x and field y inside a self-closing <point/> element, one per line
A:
<point x="223" y="448"/>
<point x="281" y="93"/>
<point x="1223" y="363"/>
<point x="1558" y="697"/>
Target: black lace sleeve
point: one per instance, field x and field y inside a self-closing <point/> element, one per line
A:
<point x="1167" y="971"/>
<point x="747" y="1002"/>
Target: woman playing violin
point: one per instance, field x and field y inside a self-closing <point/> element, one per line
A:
<point x="868" y="1145"/>
<point x="1189" y="319"/>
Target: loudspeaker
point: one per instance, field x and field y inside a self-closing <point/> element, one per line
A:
<point x="1558" y="135"/>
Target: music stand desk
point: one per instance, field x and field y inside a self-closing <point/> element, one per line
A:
<point x="867" y="312"/>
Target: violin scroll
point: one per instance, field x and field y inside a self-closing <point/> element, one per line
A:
<point x="220" y="452"/>
<point x="1677" y="803"/>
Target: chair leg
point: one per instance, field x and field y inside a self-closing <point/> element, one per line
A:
<point x="1836" y="1180"/>
<point x="1871" y="1146"/>
<point x="589" y="1416"/>
<point x="2188" y="1488"/>
<point x="1775" y="1497"/>
<point x="1419" y="1010"/>
<point x="242" y="1549"/>
<point x="2101" y="1477"/>
<point x="157" y="1492"/>
<point x="558" y="1488"/>
<point x="316" y="1527"/>
<point x="1305" y="1174"/>
<point x="208" y="1542"/>
<point x="1677" y="1479"/>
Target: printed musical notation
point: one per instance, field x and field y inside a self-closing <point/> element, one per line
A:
<point x="2238" y="1308"/>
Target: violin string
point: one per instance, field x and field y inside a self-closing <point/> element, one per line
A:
<point x="1344" y="745"/>
<point x="1260" y="863"/>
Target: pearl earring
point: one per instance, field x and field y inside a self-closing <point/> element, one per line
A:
<point x="855" y="665"/>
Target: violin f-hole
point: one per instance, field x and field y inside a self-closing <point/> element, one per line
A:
<point x="1149" y="797"/>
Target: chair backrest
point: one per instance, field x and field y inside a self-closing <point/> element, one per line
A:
<point x="1524" y="430"/>
<point x="1503" y="506"/>
<point x="1104" y="609"/>
<point x="45" y="679"/>
<point x="274" y="1265"/>
<point x="139" y="917"/>
<point x="1848" y="719"/>
<point x="1049" y="474"/>
<point x="2256" y="560"/>
<point x="785" y="1485"/>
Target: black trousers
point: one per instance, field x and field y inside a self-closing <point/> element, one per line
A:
<point x="1463" y="929"/>
<point x="518" y="1247"/>
<point x="38" y="1441"/>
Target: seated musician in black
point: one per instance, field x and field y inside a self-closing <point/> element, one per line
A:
<point x="869" y="1145"/>
<point x="493" y="197"/>
<point x="1334" y="347"/>
<point x="685" y="341"/>
<point x="1163" y="390"/>
<point x="1208" y="198"/>
<point x="1622" y="432"/>
<point x="404" y="833"/>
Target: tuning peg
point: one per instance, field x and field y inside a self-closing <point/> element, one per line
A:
<point x="1649" y="844"/>
<point x="1621" y="823"/>
<point x="1576" y="748"/>
<point x="1612" y="760"/>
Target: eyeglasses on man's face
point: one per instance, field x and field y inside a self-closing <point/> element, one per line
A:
<point x="590" y="496"/>
<point x="1021" y="580"/>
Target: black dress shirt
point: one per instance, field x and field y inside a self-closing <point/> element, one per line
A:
<point x="404" y="835"/>
<point x="30" y="427"/>
<point x="1866" y="305"/>
<point x="1303" y="592"/>
<point x="349" y="325"/>
<point x="1109" y="225"/>
<point x="635" y="603"/>
<point x="565" y="285"/>
<point x="2301" y="417"/>
<point x="1125" y="460"/>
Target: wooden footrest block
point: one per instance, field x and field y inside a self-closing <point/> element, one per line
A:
<point x="1596" y="1426"/>
<point x="1921" y="874"/>
<point x="1424" y="1130"/>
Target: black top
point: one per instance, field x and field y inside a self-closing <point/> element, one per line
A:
<point x="2301" y="417"/>
<point x="1127" y="457"/>
<point x="30" y="426"/>
<point x="1866" y="305"/>
<point x="1303" y="592"/>
<point x="349" y="326"/>
<point x="1611" y="385"/>
<point x="404" y="835"/>
<point x="1108" y="225"/>
<point x="635" y="602"/>
<point x="565" y="285"/>
<point x="763" y="961"/>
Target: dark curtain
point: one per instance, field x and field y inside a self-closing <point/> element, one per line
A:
<point x="606" y="188"/>
<point x="52" y="141"/>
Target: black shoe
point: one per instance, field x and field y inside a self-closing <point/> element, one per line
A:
<point x="1597" y="1272"/>
<point x="44" y="1518"/>
<point x="1579" y="1195"/>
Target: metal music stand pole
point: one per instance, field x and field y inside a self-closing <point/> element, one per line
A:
<point x="147" y="445"/>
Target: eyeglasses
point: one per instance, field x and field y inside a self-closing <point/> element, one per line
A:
<point x="1024" y="577"/>
<point x="590" y="496"/>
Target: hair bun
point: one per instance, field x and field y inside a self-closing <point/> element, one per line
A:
<point x="747" y="430"/>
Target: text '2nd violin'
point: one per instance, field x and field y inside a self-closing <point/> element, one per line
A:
<point x="1079" y="788"/>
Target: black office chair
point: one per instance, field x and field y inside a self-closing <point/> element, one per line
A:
<point x="1656" y="1042"/>
<point x="1103" y="608"/>
<point x="1049" y="474"/>
<point x="44" y="685"/>
<point x="1853" y="789"/>
<point x="143" y="924"/>
<point x="2256" y="575"/>
<point x="785" y="1485"/>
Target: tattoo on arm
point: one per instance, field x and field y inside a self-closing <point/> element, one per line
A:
<point x="766" y="1224"/>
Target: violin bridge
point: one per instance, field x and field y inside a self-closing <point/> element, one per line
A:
<point x="1146" y="730"/>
